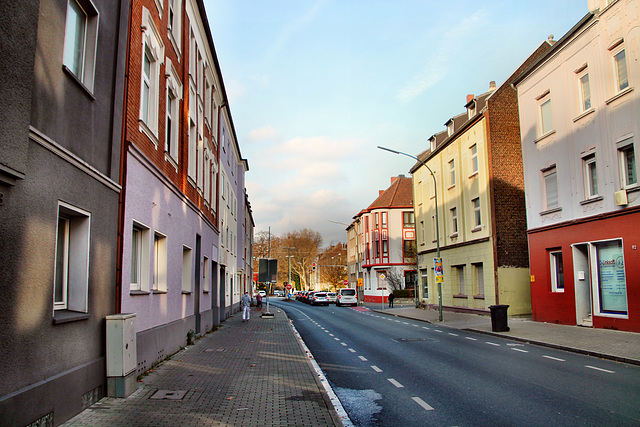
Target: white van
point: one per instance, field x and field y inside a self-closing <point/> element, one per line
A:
<point x="346" y="296"/>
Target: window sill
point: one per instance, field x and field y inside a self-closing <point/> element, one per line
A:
<point x="451" y="186"/>
<point x="205" y="292"/>
<point x="77" y="80"/>
<point x="460" y="296"/>
<point x="476" y="229"/>
<point x="631" y="188"/>
<point x="548" y="211"/>
<point x="453" y="236"/>
<point x="558" y="291"/>
<point x="585" y="114"/>
<point x="481" y="296"/>
<point x="139" y="293"/>
<point x="169" y="158"/>
<point x="158" y="292"/>
<point x="619" y="95"/>
<point x="143" y="128"/>
<point x="473" y="174"/>
<point x="66" y="316"/>
<point x="186" y="292"/>
<point x="591" y="200"/>
<point x="546" y="135"/>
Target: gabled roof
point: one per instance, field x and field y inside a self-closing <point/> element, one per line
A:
<point x="398" y="195"/>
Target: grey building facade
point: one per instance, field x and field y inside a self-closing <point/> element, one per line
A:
<point x="60" y="138"/>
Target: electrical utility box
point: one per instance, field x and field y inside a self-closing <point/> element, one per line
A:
<point x="121" y="355"/>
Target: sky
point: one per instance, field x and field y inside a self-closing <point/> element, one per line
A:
<point x="315" y="86"/>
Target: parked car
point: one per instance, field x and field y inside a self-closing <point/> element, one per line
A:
<point x="309" y="297"/>
<point x="332" y="297"/>
<point x="346" y="296"/>
<point x="319" y="298"/>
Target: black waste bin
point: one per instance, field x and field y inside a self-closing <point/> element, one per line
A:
<point x="499" y="318"/>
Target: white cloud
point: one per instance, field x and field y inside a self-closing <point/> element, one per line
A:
<point x="266" y="132"/>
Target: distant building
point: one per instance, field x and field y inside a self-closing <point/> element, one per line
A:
<point x="579" y="119"/>
<point x="387" y="240"/>
<point x="480" y="206"/>
<point x="60" y="184"/>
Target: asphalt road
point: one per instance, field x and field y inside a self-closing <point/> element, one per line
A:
<point x="390" y="371"/>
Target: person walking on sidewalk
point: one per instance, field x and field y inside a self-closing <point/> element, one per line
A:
<point x="391" y="297"/>
<point x="245" y="302"/>
<point x="259" y="300"/>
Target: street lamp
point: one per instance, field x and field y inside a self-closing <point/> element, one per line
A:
<point x="289" y="262"/>
<point x="435" y="191"/>
<point x="357" y="252"/>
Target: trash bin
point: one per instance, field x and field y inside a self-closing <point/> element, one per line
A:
<point x="499" y="318"/>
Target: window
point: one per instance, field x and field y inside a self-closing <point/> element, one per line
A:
<point x="452" y="173"/>
<point x="546" y="122"/>
<point x="377" y="223"/>
<point x="206" y="281"/>
<point x="550" y="188"/>
<point x="71" y="275"/>
<point x="174" y="23"/>
<point x="479" y="278"/>
<point x="459" y="274"/>
<point x="139" y="273"/>
<point x="81" y="36"/>
<point x="377" y="243"/>
<point x="152" y="59"/>
<point x="159" y="263"/>
<point x="611" y="278"/>
<point x="454" y="220"/>
<point x="193" y="135"/>
<point x="384" y="219"/>
<point x="557" y="271"/>
<point x="409" y="248"/>
<point x="585" y="92"/>
<point x="174" y="95"/>
<point x="627" y="165"/>
<point x="385" y="248"/>
<point x="422" y="228"/>
<point x="186" y="269"/>
<point x="477" y="217"/>
<point x="620" y="70"/>
<point x="408" y="219"/>
<point x="474" y="158"/>
<point x="590" y="176"/>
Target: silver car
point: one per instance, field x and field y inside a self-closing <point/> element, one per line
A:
<point x="332" y="297"/>
<point x="319" y="298"/>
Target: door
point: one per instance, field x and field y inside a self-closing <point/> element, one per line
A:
<point x="582" y="284"/>
<point x="223" y="285"/>
<point x="196" y="297"/>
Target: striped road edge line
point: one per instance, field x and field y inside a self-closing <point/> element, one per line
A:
<point x="337" y="405"/>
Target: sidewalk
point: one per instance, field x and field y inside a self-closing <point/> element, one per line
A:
<point x="253" y="373"/>
<point x="605" y="343"/>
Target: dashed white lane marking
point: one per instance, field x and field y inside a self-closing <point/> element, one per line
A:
<point x="375" y="368"/>
<point x="352" y="350"/>
<point x="395" y="383"/>
<point x="364" y="359"/>
<point x="599" y="369"/>
<point x="492" y="343"/>
<point x="555" y="358"/>
<point x="331" y="335"/>
<point x="343" y="344"/>
<point x="337" y="339"/>
<point x="520" y="350"/>
<point x="422" y="403"/>
<point x="454" y="335"/>
<point x="438" y="330"/>
<point x="472" y="339"/>
<point x="424" y="327"/>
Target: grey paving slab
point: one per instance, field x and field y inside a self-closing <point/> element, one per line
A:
<point x="606" y="343"/>
<point x="251" y="373"/>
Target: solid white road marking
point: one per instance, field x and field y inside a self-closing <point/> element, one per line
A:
<point x="375" y="368"/>
<point x="555" y="358"/>
<point x="599" y="369"/>
<point x="422" y="403"/>
<point x="395" y="383"/>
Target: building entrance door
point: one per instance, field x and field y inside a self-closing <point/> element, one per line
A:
<point x="582" y="284"/>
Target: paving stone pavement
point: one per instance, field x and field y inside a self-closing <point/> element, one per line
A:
<point x="253" y="373"/>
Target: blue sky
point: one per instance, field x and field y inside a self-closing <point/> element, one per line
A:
<point x="316" y="86"/>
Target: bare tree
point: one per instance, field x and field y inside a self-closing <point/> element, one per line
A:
<point x="333" y="265"/>
<point x="395" y="279"/>
<point x="306" y="243"/>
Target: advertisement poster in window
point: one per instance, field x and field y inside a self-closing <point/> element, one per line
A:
<point x="611" y="278"/>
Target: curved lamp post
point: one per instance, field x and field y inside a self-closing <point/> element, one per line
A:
<point x="435" y="191"/>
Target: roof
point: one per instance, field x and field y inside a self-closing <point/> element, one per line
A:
<point x="398" y="195"/>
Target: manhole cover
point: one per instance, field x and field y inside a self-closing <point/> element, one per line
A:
<point x="169" y="394"/>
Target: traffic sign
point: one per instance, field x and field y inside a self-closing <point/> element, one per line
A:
<point x="288" y="285"/>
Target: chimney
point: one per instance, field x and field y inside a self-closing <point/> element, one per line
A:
<point x="470" y="98"/>
<point x="551" y="40"/>
<point x="492" y="85"/>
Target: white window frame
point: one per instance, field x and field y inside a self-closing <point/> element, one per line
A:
<point x="590" y="172"/>
<point x="80" y="49"/>
<point x="473" y="149"/>
<point x="478" y="268"/>
<point x="546" y="176"/>
<point x="460" y="279"/>
<point x="159" y="283"/>
<point x="584" y="88"/>
<point x="140" y="258"/>
<point x="546" y="115"/>
<point x="174" y="24"/>
<point x="620" y="77"/>
<point x="556" y="270"/>
<point x="454" y="220"/>
<point x="477" y="213"/>
<point x="452" y="172"/>
<point x="153" y="47"/>
<point x="627" y="180"/>
<point x="71" y="261"/>
<point x="595" y="282"/>
<point x="206" y="277"/>
<point x="187" y="269"/>
<point x="174" y="92"/>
